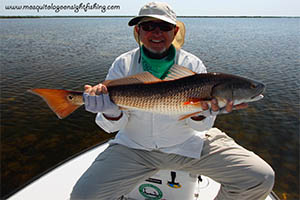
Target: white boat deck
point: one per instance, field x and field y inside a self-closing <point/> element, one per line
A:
<point x="58" y="183"/>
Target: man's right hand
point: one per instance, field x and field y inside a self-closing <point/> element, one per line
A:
<point x="95" y="90"/>
<point x="96" y="99"/>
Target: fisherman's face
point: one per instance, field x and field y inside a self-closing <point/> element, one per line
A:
<point x="157" y="36"/>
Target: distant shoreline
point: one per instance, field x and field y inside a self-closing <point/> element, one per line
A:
<point x="12" y="17"/>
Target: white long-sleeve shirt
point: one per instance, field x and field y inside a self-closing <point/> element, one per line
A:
<point x="149" y="131"/>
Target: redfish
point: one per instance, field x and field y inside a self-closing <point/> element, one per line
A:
<point x="180" y="93"/>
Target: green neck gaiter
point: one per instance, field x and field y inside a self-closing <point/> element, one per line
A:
<point x="158" y="67"/>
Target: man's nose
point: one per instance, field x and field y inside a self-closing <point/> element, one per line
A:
<point x="157" y="31"/>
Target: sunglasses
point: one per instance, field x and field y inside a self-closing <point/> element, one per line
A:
<point x="163" y="26"/>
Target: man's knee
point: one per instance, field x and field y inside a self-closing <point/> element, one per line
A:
<point x="268" y="179"/>
<point x="263" y="178"/>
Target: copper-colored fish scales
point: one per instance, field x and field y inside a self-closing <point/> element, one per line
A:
<point x="164" y="97"/>
<point x="181" y="93"/>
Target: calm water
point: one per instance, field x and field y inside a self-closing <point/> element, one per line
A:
<point x="68" y="53"/>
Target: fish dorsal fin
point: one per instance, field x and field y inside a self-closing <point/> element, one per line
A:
<point x="177" y="72"/>
<point x="144" y="77"/>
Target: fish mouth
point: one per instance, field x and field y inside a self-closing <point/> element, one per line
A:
<point x="257" y="97"/>
<point x="260" y="89"/>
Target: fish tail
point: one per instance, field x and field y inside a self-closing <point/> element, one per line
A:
<point x="61" y="102"/>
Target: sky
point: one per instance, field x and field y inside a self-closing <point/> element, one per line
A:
<point x="131" y="7"/>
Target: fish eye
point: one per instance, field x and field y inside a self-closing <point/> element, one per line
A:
<point x="70" y="97"/>
<point x="253" y="86"/>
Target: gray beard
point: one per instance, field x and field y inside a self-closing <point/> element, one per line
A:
<point x="157" y="52"/>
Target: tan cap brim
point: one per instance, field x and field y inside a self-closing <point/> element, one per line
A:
<point x="136" y="20"/>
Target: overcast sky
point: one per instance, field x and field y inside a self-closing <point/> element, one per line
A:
<point x="131" y="7"/>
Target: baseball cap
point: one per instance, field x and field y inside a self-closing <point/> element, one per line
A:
<point x="157" y="10"/>
<point x="161" y="11"/>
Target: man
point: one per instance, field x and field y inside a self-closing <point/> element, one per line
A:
<point x="147" y="142"/>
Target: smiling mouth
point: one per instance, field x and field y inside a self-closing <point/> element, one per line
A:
<point x="156" y="41"/>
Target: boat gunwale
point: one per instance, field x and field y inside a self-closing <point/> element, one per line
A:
<point x="35" y="178"/>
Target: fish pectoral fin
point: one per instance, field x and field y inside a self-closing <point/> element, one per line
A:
<point x="123" y="108"/>
<point x="145" y="77"/>
<point x="177" y="72"/>
<point x="189" y="115"/>
<point x="195" y="102"/>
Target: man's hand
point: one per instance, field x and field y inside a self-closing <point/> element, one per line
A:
<point x="228" y="108"/>
<point x="215" y="110"/>
<point x="95" y="90"/>
<point x="96" y="99"/>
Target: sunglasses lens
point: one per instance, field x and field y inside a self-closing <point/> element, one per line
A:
<point x="163" y="26"/>
<point x="147" y="27"/>
<point x="166" y="27"/>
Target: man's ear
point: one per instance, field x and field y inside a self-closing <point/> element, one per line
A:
<point x="136" y="28"/>
<point x="176" y="30"/>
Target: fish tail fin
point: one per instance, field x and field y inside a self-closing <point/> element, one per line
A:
<point x="61" y="102"/>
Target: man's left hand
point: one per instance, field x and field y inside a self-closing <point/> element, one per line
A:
<point x="215" y="109"/>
